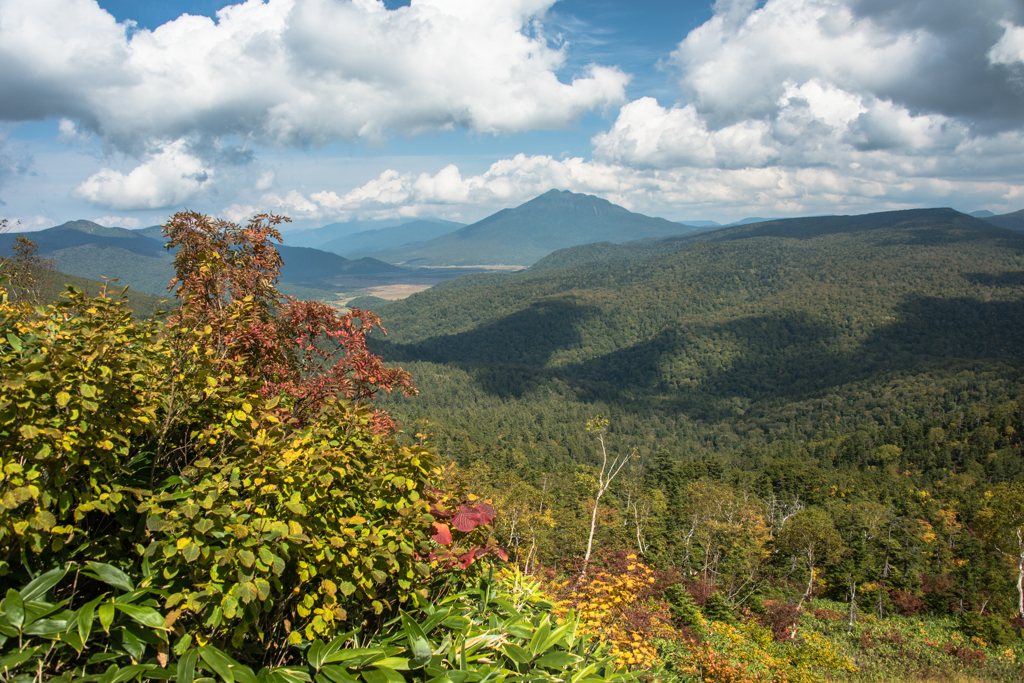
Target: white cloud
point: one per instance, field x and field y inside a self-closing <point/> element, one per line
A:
<point x="1010" y="48"/>
<point x="293" y="72"/>
<point x="825" y="98"/>
<point x="647" y="135"/>
<point x="167" y="178"/>
<point x="679" y="192"/>
<point x="265" y="181"/>
<point x="69" y="134"/>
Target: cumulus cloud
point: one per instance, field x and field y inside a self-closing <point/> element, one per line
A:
<point x="648" y="135"/>
<point x="293" y="72"/>
<point x="169" y="177"/>
<point x="839" y="102"/>
<point x="681" y="192"/>
<point x="1010" y="48"/>
<point x="928" y="57"/>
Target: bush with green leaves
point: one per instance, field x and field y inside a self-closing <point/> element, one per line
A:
<point x="497" y="630"/>
<point x="265" y="505"/>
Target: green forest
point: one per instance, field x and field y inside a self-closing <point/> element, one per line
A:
<point x="787" y="451"/>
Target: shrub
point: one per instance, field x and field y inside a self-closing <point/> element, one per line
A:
<point x="717" y="608"/>
<point x="989" y="627"/>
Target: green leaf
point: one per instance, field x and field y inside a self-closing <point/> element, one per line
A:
<point x="516" y="653"/>
<point x="217" y="661"/>
<point x="190" y="552"/>
<point x="16" y="659"/>
<point x="314" y="655"/>
<point x="187" y="666"/>
<point x="246" y="557"/>
<point x="555" y="637"/>
<point x="39" y="587"/>
<point x="399" y="663"/>
<point x="287" y="674"/>
<point x="227" y="668"/>
<point x="147" y="616"/>
<point x="352" y="653"/>
<point x="557" y="660"/>
<point x="338" y="674"/>
<point x="132" y="671"/>
<point x="14" y="608"/>
<point x="106" y="613"/>
<point x="382" y="675"/>
<point x="85" y="616"/>
<point x="132" y="645"/>
<point x="246" y="592"/>
<point x="539" y="636"/>
<point x="46" y="627"/>
<point x="421" y="652"/>
<point x="262" y="588"/>
<point x="108" y="675"/>
<point x="347" y="588"/>
<point x="14" y="341"/>
<point x="110" y="575"/>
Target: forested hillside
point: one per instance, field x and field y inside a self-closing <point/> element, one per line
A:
<point x="864" y="369"/>
<point x="740" y="330"/>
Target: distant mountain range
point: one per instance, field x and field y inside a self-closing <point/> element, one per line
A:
<point x="137" y="258"/>
<point x="555" y="230"/>
<point x="531" y="231"/>
<point x="1011" y="221"/>
<point x="396" y="237"/>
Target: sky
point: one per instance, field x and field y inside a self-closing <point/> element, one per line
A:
<point x="126" y="111"/>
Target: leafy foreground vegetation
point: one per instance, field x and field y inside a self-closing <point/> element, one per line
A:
<point x="216" y="494"/>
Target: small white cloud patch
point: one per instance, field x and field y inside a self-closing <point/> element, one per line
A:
<point x="170" y="177"/>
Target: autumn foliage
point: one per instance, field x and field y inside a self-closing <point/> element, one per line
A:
<point x="226" y="282"/>
<point x="228" y="458"/>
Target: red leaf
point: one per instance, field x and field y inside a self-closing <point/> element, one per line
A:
<point x="486" y="513"/>
<point x="442" y="534"/>
<point x="466" y="519"/>
<point x="502" y="554"/>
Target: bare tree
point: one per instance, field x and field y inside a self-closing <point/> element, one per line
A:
<point x="598" y="426"/>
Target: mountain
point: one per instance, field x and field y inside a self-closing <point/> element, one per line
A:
<point x="1011" y="221"/>
<point x="312" y="267"/>
<point x="137" y="258"/>
<point x="404" y="235"/>
<point x="701" y="224"/>
<point x="984" y="213"/>
<point x="747" y="221"/>
<point x="92" y="251"/>
<point x="318" y="237"/>
<point x="524" y="234"/>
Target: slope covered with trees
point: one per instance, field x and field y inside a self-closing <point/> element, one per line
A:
<point x="858" y="377"/>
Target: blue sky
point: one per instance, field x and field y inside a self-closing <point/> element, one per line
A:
<point x="125" y="111"/>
